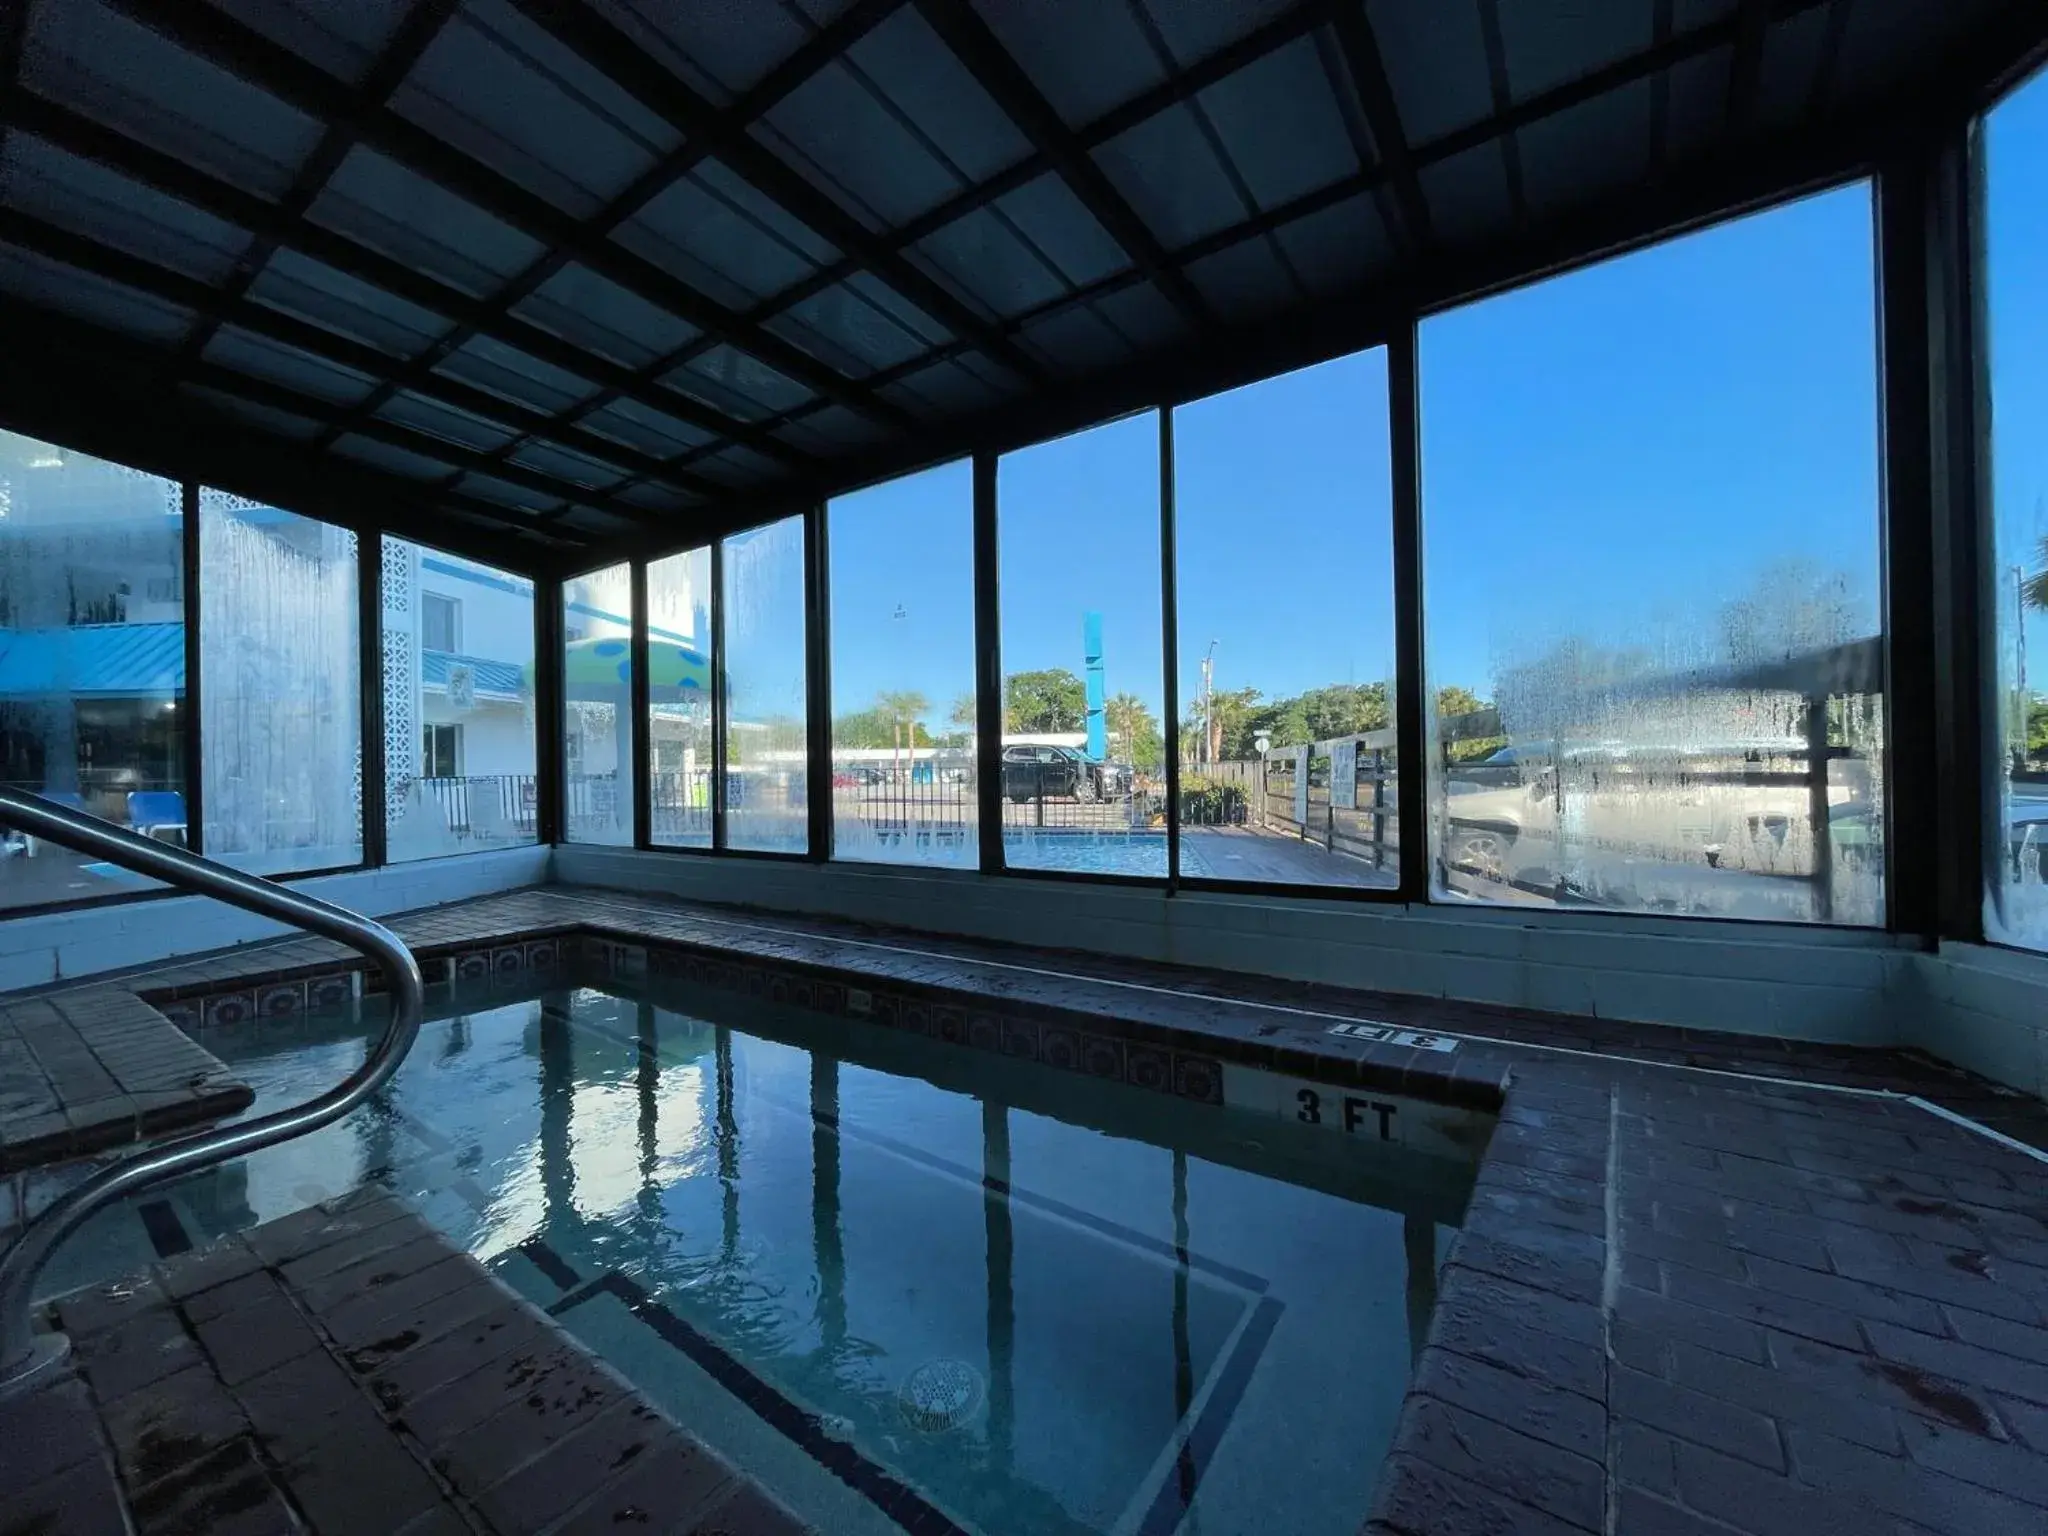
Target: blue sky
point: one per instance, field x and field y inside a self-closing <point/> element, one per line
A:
<point x="1615" y="454"/>
<point x="2016" y="197"/>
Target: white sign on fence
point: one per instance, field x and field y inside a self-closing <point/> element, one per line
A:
<point x="1344" y="775"/>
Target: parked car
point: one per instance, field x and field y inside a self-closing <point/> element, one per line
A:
<point x="1504" y="814"/>
<point x="1107" y="781"/>
<point x="1042" y="773"/>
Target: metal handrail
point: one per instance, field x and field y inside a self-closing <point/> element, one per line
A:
<point x="27" y="1357"/>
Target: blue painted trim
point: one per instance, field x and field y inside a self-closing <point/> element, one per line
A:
<point x="518" y="586"/>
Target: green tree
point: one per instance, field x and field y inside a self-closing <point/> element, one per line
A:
<point x="1453" y="700"/>
<point x="1052" y="699"/>
<point x="903" y="710"/>
<point x="2036" y="588"/>
<point x="870" y="729"/>
<point x="1344" y="709"/>
<point x="1134" y="735"/>
<point x="1234" y="713"/>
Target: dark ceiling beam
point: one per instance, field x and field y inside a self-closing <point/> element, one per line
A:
<point x="71" y="383"/>
<point x="460" y="460"/>
<point x="1368" y="71"/>
<point x="13" y="40"/>
<point x="969" y="37"/>
<point x="82" y="136"/>
<point x="1700" y="194"/>
<point x="1746" y="64"/>
<point x="724" y="134"/>
<point x="1828" y="65"/>
<point x="1274" y="35"/>
<point x="1503" y="98"/>
<point x="815" y="54"/>
<point x="277" y="71"/>
<point x="414" y="35"/>
<point x="1663" y="18"/>
<point x="1368" y="179"/>
<point x="173" y="287"/>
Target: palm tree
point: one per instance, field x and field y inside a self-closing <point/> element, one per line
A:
<point x="2035" y="590"/>
<point x="903" y="710"/>
<point x="1127" y="718"/>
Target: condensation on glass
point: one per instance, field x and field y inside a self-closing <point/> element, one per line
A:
<point x="903" y="698"/>
<point x="280" y="728"/>
<point x="459" y="754"/>
<point x="1283" y="542"/>
<point x="679" y="740"/>
<point x="597" y="706"/>
<point x="1083" y="739"/>
<point x="766" y="692"/>
<point x="1652" y="566"/>
<point x="2015" y="148"/>
<point x="92" y="658"/>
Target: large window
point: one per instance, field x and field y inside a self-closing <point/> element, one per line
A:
<point x="1283" y="503"/>
<point x="766" y="689"/>
<point x="1083" y="755"/>
<point x="2016" y="214"/>
<point x="903" y="780"/>
<point x="467" y="711"/>
<point x="597" y="713"/>
<point x="679" y="698"/>
<point x="92" y="658"/>
<point x="1651" y="514"/>
<point x="280" y="724"/>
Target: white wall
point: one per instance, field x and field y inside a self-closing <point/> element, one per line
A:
<point x="496" y="737"/>
<point x="1814" y="984"/>
<point x="495" y="623"/>
<point x="38" y="950"/>
<point x="1980" y="1007"/>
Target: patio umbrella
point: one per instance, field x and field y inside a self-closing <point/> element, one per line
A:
<point x="599" y="671"/>
<point x="596" y="671"/>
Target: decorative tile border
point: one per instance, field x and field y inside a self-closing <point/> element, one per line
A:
<point x="1021" y="1031"/>
<point x="1189" y="1063"/>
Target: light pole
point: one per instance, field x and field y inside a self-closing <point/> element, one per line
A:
<point x="1209" y="705"/>
<point x="2019" y="593"/>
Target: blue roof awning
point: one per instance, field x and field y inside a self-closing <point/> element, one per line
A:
<point x="494" y="679"/>
<point x="103" y="660"/>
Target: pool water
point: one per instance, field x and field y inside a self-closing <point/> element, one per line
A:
<point x="903" y="1283"/>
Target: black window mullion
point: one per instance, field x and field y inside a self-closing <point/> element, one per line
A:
<point x="1411" y="699"/>
<point x="818" y="683"/>
<point x="370" y="651"/>
<point x="194" y="747"/>
<point x="643" y="722"/>
<point x="1169" y="621"/>
<point x="988" y="668"/>
<point x="718" y="687"/>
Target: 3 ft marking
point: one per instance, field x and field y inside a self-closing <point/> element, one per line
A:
<point x="1386" y="1034"/>
<point x="1372" y="1117"/>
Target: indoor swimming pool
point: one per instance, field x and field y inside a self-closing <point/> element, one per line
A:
<point x="905" y="1284"/>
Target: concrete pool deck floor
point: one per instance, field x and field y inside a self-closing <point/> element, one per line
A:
<point x="1705" y="1284"/>
<point x="346" y="1370"/>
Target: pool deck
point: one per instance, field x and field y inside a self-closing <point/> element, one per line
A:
<point x="346" y="1371"/>
<point x="96" y="1067"/>
<point x="1706" y="1283"/>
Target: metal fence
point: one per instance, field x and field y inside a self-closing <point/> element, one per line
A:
<point x="1337" y="795"/>
<point x="483" y="805"/>
<point x="1034" y="795"/>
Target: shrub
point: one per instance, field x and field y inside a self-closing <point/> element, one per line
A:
<point x="1208" y="802"/>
